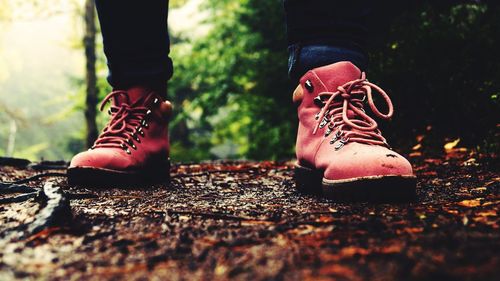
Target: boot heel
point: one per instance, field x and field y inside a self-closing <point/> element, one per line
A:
<point x="158" y="173"/>
<point x="308" y="180"/>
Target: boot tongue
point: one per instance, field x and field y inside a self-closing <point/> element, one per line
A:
<point x="337" y="74"/>
<point x="135" y="95"/>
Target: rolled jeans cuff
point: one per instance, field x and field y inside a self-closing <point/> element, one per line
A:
<point x="303" y="58"/>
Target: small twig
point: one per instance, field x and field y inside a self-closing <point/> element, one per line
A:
<point x="35" y="177"/>
<point x="15" y="188"/>
<point x="19" y="198"/>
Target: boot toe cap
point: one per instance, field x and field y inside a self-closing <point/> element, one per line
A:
<point x="367" y="161"/>
<point x="111" y="159"/>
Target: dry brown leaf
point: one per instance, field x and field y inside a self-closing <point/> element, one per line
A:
<point x="450" y="145"/>
<point x="413" y="229"/>
<point x="489" y="213"/>
<point x="351" y="251"/>
<point x="470" y="203"/>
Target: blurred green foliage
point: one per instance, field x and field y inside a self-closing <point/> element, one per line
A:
<point x="231" y="87"/>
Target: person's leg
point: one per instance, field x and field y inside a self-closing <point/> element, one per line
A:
<point x="321" y="32"/>
<point x="341" y="153"/>
<point x="134" y="144"/>
<point x="136" y="41"/>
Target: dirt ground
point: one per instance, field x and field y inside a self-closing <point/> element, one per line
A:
<point x="246" y="221"/>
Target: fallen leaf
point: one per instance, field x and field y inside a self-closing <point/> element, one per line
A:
<point x="450" y="145"/>
<point x="351" y="251"/>
<point x="43" y="234"/>
<point x="392" y="249"/>
<point x="325" y="219"/>
<point x="490" y="213"/>
<point x="470" y="162"/>
<point x="413" y="229"/>
<point x="470" y="203"/>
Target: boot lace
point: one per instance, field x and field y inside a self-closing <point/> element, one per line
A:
<point x="342" y="111"/>
<point x="126" y="124"/>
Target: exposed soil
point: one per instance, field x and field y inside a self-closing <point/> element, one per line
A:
<point x="245" y="220"/>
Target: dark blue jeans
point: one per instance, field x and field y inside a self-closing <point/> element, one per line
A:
<point x="320" y="32"/>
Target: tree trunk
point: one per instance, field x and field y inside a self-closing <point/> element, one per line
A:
<point x="90" y="75"/>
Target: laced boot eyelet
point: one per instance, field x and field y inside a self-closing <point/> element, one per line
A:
<point x="140" y="131"/>
<point x="124" y="147"/>
<point x="136" y="138"/>
<point x="131" y="143"/>
<point x="341" y="143"/>
<point x="328" y="131"/>
<point x="318" y="102"/>
<point x="309" y="86"/>
<point x="323" y="122"/>
<point x="336" y="137"/>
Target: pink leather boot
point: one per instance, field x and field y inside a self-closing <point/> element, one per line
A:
<point x="133" y="147"/>
<point x="341" y="153"/>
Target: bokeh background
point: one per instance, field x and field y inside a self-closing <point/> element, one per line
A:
<point x="438" y="60"/>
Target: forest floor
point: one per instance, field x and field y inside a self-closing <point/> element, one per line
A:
<point x="246" y="221"/>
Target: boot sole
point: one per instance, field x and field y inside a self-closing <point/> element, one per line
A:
<point x="99" y="177"/>
<point x="391" y="188"/>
